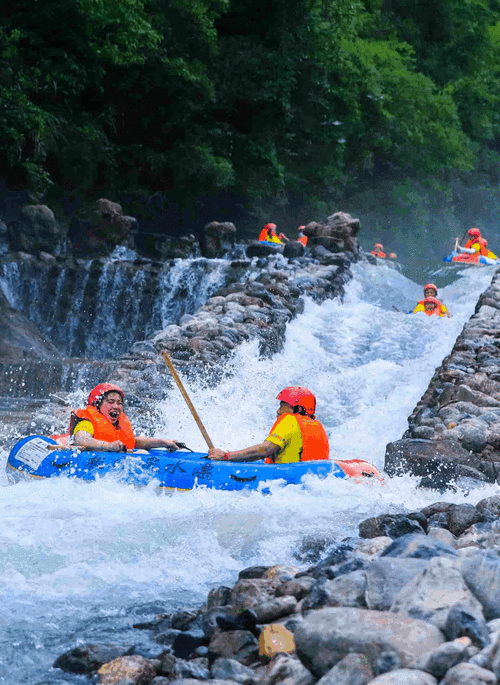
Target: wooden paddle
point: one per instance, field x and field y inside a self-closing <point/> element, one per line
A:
<point x="176" y="378"/>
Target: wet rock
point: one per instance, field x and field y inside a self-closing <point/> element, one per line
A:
<point x="275" y="608"/>
<point x="139" y="670"/>
<point x="180" y="620"/>
<point x="491" y="504"/>
<point x="386" y="577"/>
<point x="481" y="572"/>
<point x="345" y="590"/>
<point x="20" y="339"/>
<point x="462" y="516"/>
<point x="392" y="525"/>
<point x="89" y="658"/>
<point x="404" y="676"/>
<point x="240" y="645"/>
<point x="469" y="674"/>
<point x="287" y="670"/>
<point x="249" y="592"/>
<point x="220" y="596"/>
<point x="432" y="595"/>
<point x="353" y="669"/>
<point x="297" y="587"/>
<point x="230" y="669"/>
<point x="439" y="661"/>
<point x="417" y="547"/>
<point x="184" y="644"/>
<point x="425" y="457"/>
<point x="464" y="621"/>
<point x="326" y="636"/>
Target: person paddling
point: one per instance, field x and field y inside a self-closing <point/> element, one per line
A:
<point x="296" y="435"/>
<point x="378" y="251"/>
<point x="431" y="291"/>
<point x="431" y="307"/>
<point x="103" y="426"/>
<point x="476" y="245"/>
<point x="269" y="235"/>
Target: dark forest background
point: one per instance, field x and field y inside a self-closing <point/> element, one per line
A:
<point x="252" y="110"/>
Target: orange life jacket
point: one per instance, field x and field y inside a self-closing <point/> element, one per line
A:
<point x="104" y="429"/>
<point x="315" y="444"/>
<point x="263" y="234"/>
<point x="379" y="254"/>
<point x="439" y="308"/>
<point x="303" y="240"/>
<point x="483" y="250"/>
<point x="434" y="312"/>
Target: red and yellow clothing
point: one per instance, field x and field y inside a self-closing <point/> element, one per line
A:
<point x="265" y="237"/>
<point x="300" y="438"/>
<point x="93" y="422"/>
<point x="439" y="310"/>
<point x="303" y="240"/>
<point x="480" y="246"/>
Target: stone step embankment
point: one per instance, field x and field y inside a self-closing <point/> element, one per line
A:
<point x="455" y="428"/>
<point x="259" y="307"/>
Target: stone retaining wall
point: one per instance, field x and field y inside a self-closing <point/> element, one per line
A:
<point x="455" y="428"/>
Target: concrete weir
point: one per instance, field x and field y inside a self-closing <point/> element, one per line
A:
<point x="454" y="430"/>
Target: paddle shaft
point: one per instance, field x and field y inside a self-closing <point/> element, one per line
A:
<point x="176" y="378"/>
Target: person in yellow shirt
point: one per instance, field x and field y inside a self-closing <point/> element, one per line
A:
<point x="269" y="235"/>
<point x="430" y="290"/>
<point x="295" y="436"/>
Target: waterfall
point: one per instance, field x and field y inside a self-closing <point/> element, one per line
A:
<point x="97" y="309"/>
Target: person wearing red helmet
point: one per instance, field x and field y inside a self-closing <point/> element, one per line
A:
<point x="301" y="238"/>
<point x="103" y="426"/>
<point x="269" y="235"/>
<point x="431" y="307"/>
<point x="296" y="435"/>
<point x="378" y="251"/>
<point x="476" y="245"/>
<point x="431" y="291"/>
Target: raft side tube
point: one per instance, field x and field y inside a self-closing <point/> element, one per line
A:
<point x="33" y="457"/>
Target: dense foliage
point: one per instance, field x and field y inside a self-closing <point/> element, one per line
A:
<point x="257" y="98"/>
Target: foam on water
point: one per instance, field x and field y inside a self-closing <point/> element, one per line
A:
<point x="83" y="561"/>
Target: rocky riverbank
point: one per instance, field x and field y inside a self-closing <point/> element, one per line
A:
<point x="454" y="430"/>
<point x="413" y="601"/>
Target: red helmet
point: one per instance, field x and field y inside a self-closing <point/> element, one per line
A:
<point x="431" y="300"/>
<point x="97" y="394"/>
<point x="431" y="286"/>
<point x="474" y="232"/>
<point x="297" y="396"/>
<point x="379" y="246"/>
<point x="270" y="227"/>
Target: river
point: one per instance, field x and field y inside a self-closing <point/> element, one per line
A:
<point x="81" y="562"/>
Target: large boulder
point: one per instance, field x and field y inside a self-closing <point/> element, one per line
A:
<point x="443" y="460"/>
<point x="326" y="636"/>
<point x="336" y="235"/>
<point x="218" y="236"/>
<point x="36" y="230"/>
<point x="20" y="339"/>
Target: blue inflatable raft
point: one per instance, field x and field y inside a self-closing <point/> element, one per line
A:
<point x="38" y="456"/>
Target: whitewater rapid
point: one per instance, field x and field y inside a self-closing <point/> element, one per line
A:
<point x="81" y="562"/>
